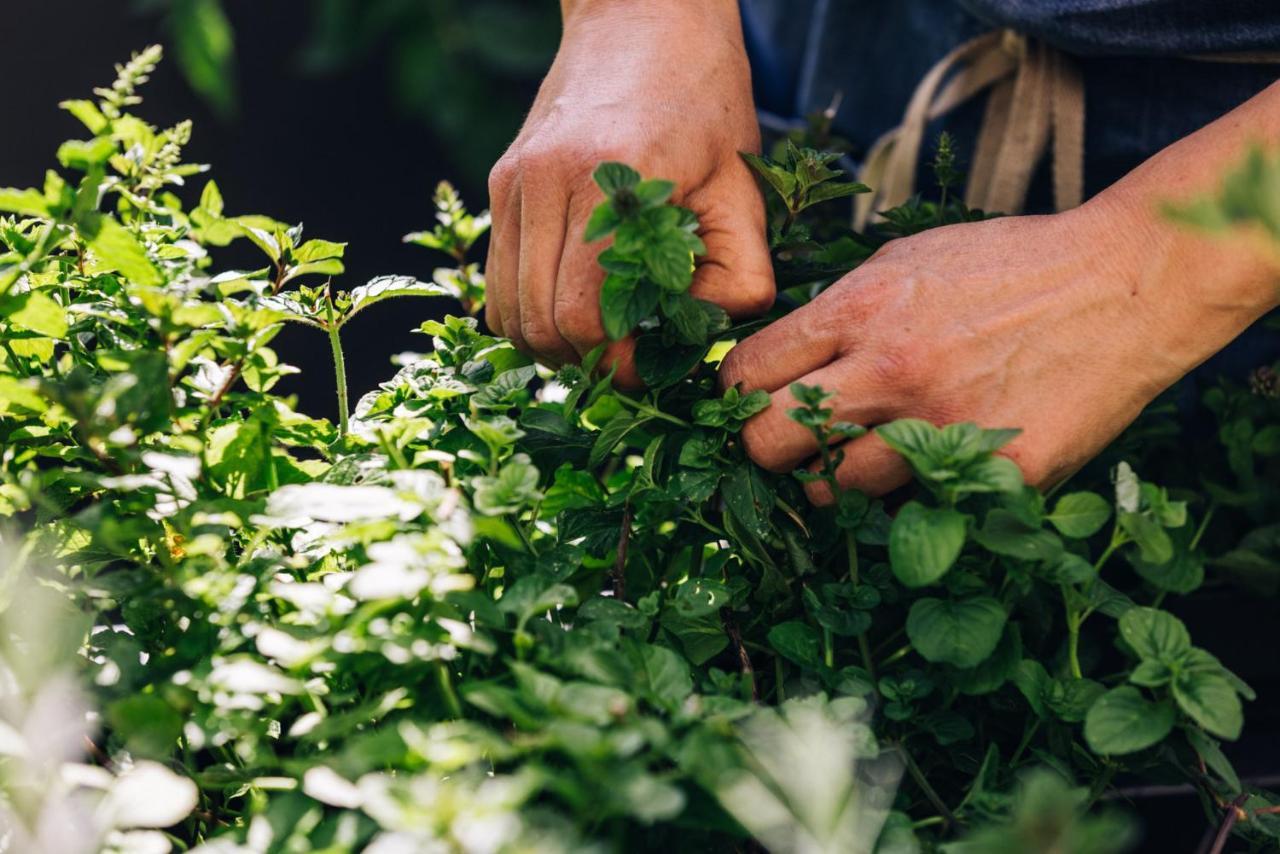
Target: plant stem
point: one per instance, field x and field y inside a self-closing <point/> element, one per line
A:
<point x="828" y="653"/>
<point x="868" y="662"/>
<point x="851" y="542"/>
<point x="1026" y="742"/>
<point x="339" y="364"/>
<point x="446" y="687"/>
<point x="1228" y="823"/>
<point x="900" y="653"/>
<point x="744" y="660"/>
<point x="1117" y="540"/>
<point x="652" y="412"/>
<point x="1204" y="524"/>
<point x="524" y="536"/>
<point x="920" y="780"/>
<point x="1073" y="645"/>
<point x="620" y="562"/>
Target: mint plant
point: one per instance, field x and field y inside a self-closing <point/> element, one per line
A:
<point x="499" y="608"/>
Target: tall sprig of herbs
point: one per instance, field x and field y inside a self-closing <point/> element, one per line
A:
<point x="499" y="609"/>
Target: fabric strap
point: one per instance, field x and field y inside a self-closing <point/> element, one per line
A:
<point x="1036" y="104"/>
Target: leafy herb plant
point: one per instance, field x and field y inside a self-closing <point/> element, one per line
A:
<point x="498" y="609"/>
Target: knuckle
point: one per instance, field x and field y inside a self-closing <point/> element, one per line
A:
<point x="760" y="441"/>
<point x="759" y="298"/>
<point x="492" y="319"/>
<point x="502" y="177"/>
<point x="903" y="368"/>
<point x="577" y="323"/>
<point x="734" y="367"/>
<point x="538" y="336"/>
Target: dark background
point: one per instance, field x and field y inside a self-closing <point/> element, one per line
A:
<point x="344" y="124"/>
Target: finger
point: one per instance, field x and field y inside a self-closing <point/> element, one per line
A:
<point x="543" y="222"/>
<point x="784" y="351"/>
<point x="577" y="300"/>
<point x="576" y="308"/>
<point x="869" y="465"/>
<point x="737" y="271"/>
<point x="504" y="289"/>
<point x="775" y="441"/>
<point x="492" y="275"/>
<point x="620" y="356"/>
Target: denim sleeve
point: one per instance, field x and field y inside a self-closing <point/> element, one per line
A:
<point x="1140" y="27"/>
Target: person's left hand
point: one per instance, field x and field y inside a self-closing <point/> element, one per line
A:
<point x="1065" y="326"/>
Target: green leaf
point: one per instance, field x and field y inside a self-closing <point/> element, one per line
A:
<point x="35" y="311"/>
<point x="654" y="192"/>
<point x="660" y="364"/>
<point x="667" y="675"/>
<point x="698" y="597"/>
<point x="832" y="190"/>
<point x="1211" y="701"/>
<point x="513" y="489"/>
<point x="777" y="177"/>
<point x="1156" y="635"/>
<point x="86" y="154"/>
<point x="797" y="642"/>
<point x="610" y="435"/>
<point x="625" y="302"/>
<point x="1080" y="514"/>
<point x="1123" y="721"/>
<point x="613" y="178"/>
<point x="23" y="202"/>
<point x="604" y="220"/>
<point x="1007" y="534"/>
<point x="924" y="542"/>
<point x="146" y="724"/>
<point x="748" y="498"/>
<point x="118" y="249"/>
<point x="669" y="262"/>
<point x="205" y="49"/>
<point x="1211" y="752"/>
<point x="1152" y="540"/>
<point x="963" y="633"/>
<point x="1182" y="574"/>
<point x="391" y="287"/>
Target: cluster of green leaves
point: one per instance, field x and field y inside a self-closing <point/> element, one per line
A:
<point x="497" y="608"/>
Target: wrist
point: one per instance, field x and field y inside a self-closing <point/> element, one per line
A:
<point x="720" y="17"/>
<point x="1192" y="291"/>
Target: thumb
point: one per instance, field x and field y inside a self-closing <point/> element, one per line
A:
<point x="737" y="271"/>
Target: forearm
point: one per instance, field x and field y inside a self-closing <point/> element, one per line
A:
<point x="723" y="10"/>
<point x="1204" y="288"/>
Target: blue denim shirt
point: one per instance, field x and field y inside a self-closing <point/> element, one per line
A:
<point x="1142" y="91"/>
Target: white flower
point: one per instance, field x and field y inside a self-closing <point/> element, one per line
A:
<point x="249" y="677"/>
<point x="149" y="795"/>
<point x="295" y="505"/>
<point x="284" y="647"/>
<point x="137" y="842"/>
<point x="328" y="787"/>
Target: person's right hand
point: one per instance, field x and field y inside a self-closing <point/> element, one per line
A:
<point x="664" y="86"/>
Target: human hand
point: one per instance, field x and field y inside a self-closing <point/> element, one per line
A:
<point x="1065" y="326"/>
<point x="664" y="86"/>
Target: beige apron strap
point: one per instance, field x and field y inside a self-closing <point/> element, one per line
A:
<point x="890" y="165"/>
<point x="1037" y="98"/>
<point x="1068" y="134"/>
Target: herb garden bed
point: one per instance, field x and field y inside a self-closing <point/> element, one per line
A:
<point x="497" y="608"/>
